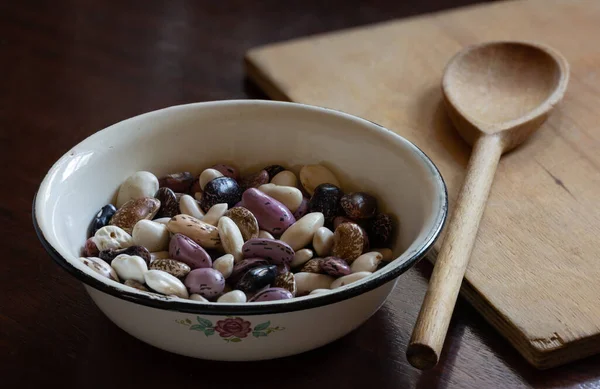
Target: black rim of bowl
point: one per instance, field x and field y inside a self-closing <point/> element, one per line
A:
<point x="258" y="308"/>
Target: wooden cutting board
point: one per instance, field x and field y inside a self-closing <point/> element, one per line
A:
<point x="535" y="270"/>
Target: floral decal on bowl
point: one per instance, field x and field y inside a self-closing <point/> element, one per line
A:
<point x="231" y="329"/>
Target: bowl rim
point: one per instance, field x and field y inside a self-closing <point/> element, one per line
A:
<point x="231" y="309"/>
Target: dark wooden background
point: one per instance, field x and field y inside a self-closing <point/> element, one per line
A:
<point x="69" y="68"/>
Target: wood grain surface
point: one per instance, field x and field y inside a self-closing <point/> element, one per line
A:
<point x="496" y="95"/>
<point x="70" y="68"/>
<point x="535" y="263"/>
<point x="453" y="257"/>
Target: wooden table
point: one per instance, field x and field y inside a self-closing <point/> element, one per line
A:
<point x="70" y="68"/>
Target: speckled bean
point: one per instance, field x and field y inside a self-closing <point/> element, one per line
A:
<point x="169" y="205"/>
<point x="348" y="242"/>
<point x="159" y="255"/>
<point x="177" y="182"/>
<point x="171" y="266"/>
<point x="100" y="267"/>
<point x="272" y="215"/>
<point x="206" y="282"/>
<point x="220" y="190"/>
<point x="245" y="221"/>
<point x="112" y="237"/>
<point x="133" y="211"/>
<point x="302" y="209"/>
<point x="271" y="294"/>
<point x="140" y="251"/>
<point x="184" y="249"/>
<point x="204" y="234"/>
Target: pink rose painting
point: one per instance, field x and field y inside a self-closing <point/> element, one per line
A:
<point x="231" y="329"/>
<point x="236" y="327"/>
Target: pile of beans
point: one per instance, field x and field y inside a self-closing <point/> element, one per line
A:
<point x="219" y="237"/>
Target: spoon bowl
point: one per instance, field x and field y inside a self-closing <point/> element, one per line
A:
<point x="503" y="87"/>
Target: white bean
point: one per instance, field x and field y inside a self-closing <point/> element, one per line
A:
<point x="350" y="278"/>
<point x="215" y="213"/>
<point x="323" y="241"/>
<point x="301" y="257"/>
<point x="265" y="234"/>
<point x="197" y="297"/>
<point x="189" y="206"/>
<point x="165" y="283"/>
<point x="153" y="236"/>
<point x="287" y="195"/>
<point x="224" y="265"/>
<point x="207" y="176"/>
<point x="235" y="296"/>
<point x="285" y="178"/>
<point x="366" y="262"/>
<point x="312" y="176"/>
<point x="320" y="291"/>
<point x="138" y="185"/>
<point x="162" y="220"/>
<point x="231" y="238"/>
<point x="130" y="267"/>
<point x="301" y="233"/>
<point x="307" y="282"/>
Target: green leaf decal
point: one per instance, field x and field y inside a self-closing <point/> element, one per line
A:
<point x="197" y="327"/>
<point x="209" y="331"/>
<point x="262" y="326"/>
<point x="204" y="322"/>
<point x="236" y="340"/>
<point x="258" y="334"/>
<point x="188" y="321"/>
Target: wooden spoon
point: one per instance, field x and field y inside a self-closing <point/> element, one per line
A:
<point x="496" y="94"/>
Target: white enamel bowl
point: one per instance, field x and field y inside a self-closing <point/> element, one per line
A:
<point x="249" y="134"/>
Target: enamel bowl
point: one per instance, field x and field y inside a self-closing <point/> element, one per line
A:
<point x="249" y="134"/>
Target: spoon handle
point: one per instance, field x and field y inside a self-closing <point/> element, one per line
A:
<point x="436" y="311"/>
